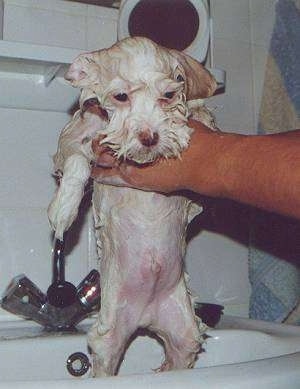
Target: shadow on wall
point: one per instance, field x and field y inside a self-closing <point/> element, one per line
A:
<point x="278" y="235"/>
<point x="224" y="217"/>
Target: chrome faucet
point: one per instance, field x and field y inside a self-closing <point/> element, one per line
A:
<point x="63" y="306"/>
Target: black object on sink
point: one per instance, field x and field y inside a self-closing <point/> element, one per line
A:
<point x="210" y="314"/>
<point x="60" y="293"/>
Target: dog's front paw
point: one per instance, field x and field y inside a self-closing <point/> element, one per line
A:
<point x="63" y="210"/>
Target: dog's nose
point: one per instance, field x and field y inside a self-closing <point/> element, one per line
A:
<point x="147" y="138"/>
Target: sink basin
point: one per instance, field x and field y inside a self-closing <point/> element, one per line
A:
<point x="240" y="353"/>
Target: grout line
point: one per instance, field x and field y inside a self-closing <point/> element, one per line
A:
<point x="253" y="73"/>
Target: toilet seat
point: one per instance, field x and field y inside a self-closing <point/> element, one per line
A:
<point x="197" y="48"/>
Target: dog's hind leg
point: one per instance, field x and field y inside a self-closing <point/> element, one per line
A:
<point x="179" y="329"/>
<point x="117" y="321"/>
<point x="107" y="346"/>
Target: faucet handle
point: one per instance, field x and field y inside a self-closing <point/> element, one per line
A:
<point x="24" y="290"/>
<point x="23" y="298"/>
<point x="88" y="291"/>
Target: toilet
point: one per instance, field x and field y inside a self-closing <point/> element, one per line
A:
<point x="184" y="25"/>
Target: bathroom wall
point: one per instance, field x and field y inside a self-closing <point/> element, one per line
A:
<point x="217" y="256"/>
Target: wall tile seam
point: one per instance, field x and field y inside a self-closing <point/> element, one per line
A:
<point x="95" y="12"/>
<point x="233" y="40"/>
<point x="245" y="41"/>
<point x="89" y="17"/>
<point x="85" y="10"/>
<point x="61" y="5"/>
<point x="39" y="111"/>
<point x="253" y="91"/>
<point x="243" y="17"/>
<point x="86" y="41"/>
<point x="260" y="46"/>
<point x="14" y="208"/>
<point x="257" y="89"/>
<point x="52" y="10"/>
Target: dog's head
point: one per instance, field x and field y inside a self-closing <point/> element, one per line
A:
<point x="143" y="88"/>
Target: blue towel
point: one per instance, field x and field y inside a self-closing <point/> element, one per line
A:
<point x="280" y="106"/>
<point x="274" y="267"/>
<point x="274" y="254"/>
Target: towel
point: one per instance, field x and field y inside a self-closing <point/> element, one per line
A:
<point x="280" y="105"/>
<point x="274" y="272"/>
<point x="274" y="253"/>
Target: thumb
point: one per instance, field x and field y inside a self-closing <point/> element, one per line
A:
<point x="104" y="156"/>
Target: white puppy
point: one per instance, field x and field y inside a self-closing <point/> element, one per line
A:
<point x="142" y="90"/>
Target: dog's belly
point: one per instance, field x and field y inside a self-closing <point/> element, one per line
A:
<point x="143" y="234"/>
<point x="141" y="241"/>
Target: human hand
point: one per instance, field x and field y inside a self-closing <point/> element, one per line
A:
<point x="165" y="175"/>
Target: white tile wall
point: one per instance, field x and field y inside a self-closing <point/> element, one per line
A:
<point x="28" y="141"/>
<point x="234" y="108"/>
<point x="218" y="269"/>
<point x="97" y="28"/>
<point x="231" y="19"/>
<point x="217" y="264"/>
<point x="259" y="60"/>
<point x="26" y="247"/>
<point x="51" y="28"/>
<point x="262" y="16"/>
<point x="59" y="23"/>
<point x="53" y="24"/>
<point x="1" y="19"/>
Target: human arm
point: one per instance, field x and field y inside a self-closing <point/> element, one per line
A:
<point x="262" y="170"/>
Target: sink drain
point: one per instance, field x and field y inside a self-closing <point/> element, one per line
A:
<point x="78" y="364"/>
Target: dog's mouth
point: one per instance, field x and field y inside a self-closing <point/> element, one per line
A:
<point x="140" y="149"/>
<point x="109" y="157"/>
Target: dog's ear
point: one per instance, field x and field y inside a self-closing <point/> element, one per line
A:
<point x="86" y="69"/>
<point x="200" y="82"/>
<point x="78" y="71"/>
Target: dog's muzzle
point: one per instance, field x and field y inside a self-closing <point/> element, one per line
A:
<point x="147" y="138"/>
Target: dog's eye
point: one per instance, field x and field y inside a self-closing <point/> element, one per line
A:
<point x="169" y="95"/>
<point x="179" y="78"/>
<point x="121" y="97"/>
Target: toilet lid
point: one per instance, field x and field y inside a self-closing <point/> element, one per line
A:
<point x="176" y="24"/>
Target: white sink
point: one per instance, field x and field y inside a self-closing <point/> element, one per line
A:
<point x="239" y="354"/>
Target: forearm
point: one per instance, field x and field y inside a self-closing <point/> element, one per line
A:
<point x="263" y="171"/>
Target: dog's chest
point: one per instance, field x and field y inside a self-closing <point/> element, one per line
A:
<point x="141" y="232"/>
